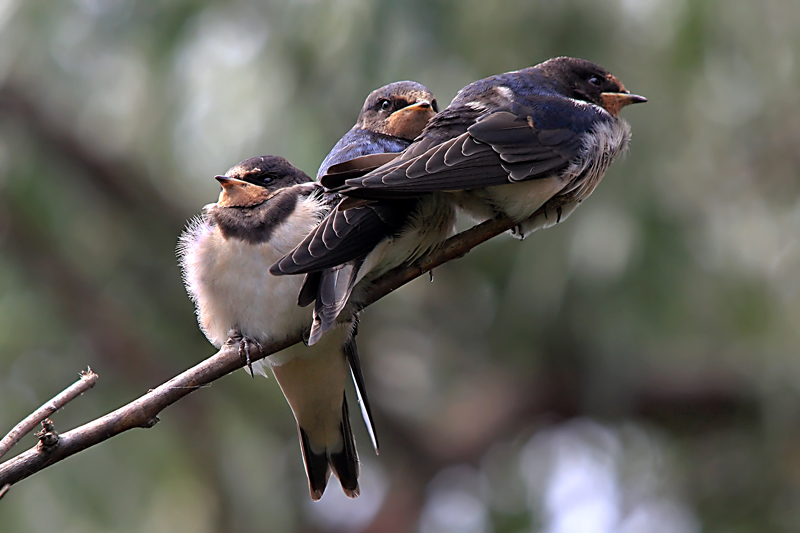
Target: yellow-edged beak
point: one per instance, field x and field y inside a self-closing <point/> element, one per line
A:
<point x="614" y="102"/>
<point x="226" y="181"/>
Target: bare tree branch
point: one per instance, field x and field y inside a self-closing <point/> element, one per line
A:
<point x="143" y="412"/>
<point x="86" y="382"/>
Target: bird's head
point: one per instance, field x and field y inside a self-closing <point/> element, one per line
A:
<point x="587" y="81"/>
<point x="256" y="180"/>
<point x="400" y="109"/>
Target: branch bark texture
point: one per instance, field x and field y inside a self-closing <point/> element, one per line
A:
<point x="87" y="381"/>
<point x="143" y="412"/>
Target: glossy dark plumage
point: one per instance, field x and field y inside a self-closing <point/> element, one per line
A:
<point x="369" y="239"/>
<point x="553" y="126"/>
<point x="391" y="117"/>
<point x="531" y="144"/>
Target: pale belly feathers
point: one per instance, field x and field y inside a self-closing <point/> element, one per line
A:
<point x="230" y="283"/>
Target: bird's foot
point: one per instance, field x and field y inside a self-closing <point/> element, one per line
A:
<point x="246" y="345"/>
<point x="244" y="350"/>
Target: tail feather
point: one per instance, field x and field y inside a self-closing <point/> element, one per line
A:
<point x="344" y="463"/>
<point x="333" y="289"/>
<point x="316" y="467"/>
<point x="351" y="351"/>
<point x="308" y="292"/>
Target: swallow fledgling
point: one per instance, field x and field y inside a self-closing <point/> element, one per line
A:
<point x="391" y="117"/>
<point x="266" y="207"/>
<point x="531" y="144"/>
<point x="362" y="242"/>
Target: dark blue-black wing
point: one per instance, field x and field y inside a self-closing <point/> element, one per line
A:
<point x="358" y="142"/>
<point x="500" y="147"/>
<point x="345" y="235"/>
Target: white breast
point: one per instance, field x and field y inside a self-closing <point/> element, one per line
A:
<point x="517" y="200"/>
<point x="230" y="283"/>
<point x="608" y="141"/>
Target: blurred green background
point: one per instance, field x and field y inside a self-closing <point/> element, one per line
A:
<point x="634" y="369"/>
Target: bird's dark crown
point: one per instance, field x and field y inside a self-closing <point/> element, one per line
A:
<point x="568" y="77"/>
<point x="382" y="103"/>
<point x="269" y="171"/>
<point x="580" y="79"/>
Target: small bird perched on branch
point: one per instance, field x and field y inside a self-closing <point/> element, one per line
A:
<point x="265" y="208"/>
<point x="530" y="144"/>
<point x="363" y="242"/>
<point x="392" y="116"/>
<point x="270" y="205"/>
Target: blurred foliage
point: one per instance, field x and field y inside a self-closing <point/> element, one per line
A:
<point x="633" y="369"/>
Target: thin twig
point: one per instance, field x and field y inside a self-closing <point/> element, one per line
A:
<point x="87" y="381"/>
<point x="143" y="412"/>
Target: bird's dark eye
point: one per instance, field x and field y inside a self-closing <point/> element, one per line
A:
<point x="385" y="105"/>
<point x="596" y="81"/>
<point x="259" y="178"/>
<point x="435" y="106"/>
